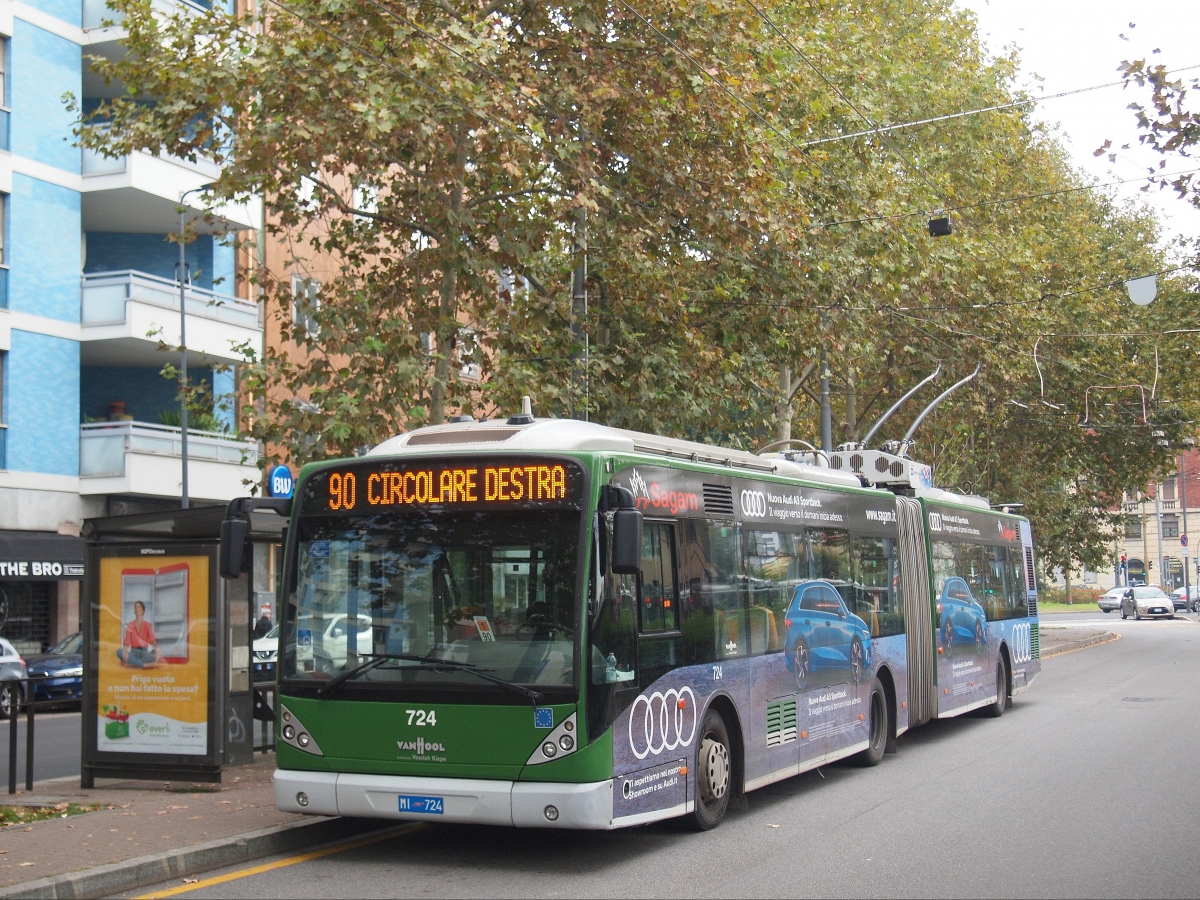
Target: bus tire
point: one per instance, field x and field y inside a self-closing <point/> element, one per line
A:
<point x="996" y="710"/>
<point x="714" y="773"/>
<point x="878" y="727"/>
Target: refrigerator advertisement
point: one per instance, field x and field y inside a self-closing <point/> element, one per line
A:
<point x="153" y="665"/>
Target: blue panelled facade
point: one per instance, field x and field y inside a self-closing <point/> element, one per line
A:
<point x="89" y="293"/>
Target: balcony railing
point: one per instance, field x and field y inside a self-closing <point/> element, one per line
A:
<point x="103" y="446"/>
<point x="105" y="295"/>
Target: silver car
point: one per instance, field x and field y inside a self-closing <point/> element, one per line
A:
<point x="1186" y="599"/>
<point x="1147" y="602"/>
<point x="12" y="674"/>
<point x="1111" y="599"/>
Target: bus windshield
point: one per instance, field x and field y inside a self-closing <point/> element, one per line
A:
<point x="486" y="590"/>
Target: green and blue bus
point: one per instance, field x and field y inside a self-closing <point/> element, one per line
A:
<point x="552" y="623"/>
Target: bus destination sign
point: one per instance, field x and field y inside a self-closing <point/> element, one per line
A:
<point x="389" y="485"/>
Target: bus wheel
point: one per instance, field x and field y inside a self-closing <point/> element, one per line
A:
<point x="714" y="773"/>
<point x="996" y="710"/>
<point x="877" y="734"/>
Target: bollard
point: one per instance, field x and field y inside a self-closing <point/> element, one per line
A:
<point x="12" y="751"/>
<point x="30" y="698"/>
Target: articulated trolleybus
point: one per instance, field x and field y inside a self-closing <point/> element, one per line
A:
<point x="551" y="623"/>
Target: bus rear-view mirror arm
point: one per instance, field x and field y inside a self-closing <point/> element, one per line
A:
<point x="235" y="529"/>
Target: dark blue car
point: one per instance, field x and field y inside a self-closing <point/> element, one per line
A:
<point x="59" y="673"/>
<point x="824" y="637"/>
<point x="961" y="620"/>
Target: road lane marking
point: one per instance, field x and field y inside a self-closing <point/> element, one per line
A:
<point x="282" y="863"/>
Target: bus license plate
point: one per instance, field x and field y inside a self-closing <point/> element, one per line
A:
<point x="430" y="805"/>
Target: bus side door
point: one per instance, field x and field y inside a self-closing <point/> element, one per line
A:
<point x="660" y="639"/>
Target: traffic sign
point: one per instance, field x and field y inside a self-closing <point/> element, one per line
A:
<point x="1183" y="540"/>
<point x="281" y="483"/>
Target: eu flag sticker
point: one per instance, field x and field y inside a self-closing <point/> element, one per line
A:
<point x="543" y="717"/>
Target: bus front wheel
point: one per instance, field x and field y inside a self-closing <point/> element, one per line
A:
<point x="714" y="773"/>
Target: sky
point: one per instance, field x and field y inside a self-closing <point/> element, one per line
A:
<point x="1073" y="44"/>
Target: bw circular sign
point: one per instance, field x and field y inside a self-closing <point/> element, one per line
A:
<point x="281" y="483"/>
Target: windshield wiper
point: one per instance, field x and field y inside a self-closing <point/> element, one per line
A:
<point x="431" y="664"/>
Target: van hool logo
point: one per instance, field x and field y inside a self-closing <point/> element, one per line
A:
<point x="421" y="746"/>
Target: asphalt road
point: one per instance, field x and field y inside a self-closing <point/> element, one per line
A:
<point x="55" y="746"/>
<point x="1087" y="787"/>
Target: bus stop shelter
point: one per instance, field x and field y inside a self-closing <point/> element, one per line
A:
<point x="167" y="686"/>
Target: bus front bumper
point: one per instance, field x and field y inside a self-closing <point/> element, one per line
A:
<point x="525" y="804"/>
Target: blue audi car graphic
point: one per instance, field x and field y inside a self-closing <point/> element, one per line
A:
<point x="961" y="620"/>
<point x="824" y="639"/>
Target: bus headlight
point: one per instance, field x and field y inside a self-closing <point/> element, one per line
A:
<point x="549" y="749"/>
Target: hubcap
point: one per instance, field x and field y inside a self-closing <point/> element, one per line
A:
<point x="715" y="757"/>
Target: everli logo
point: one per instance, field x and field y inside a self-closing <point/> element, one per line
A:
<point x="144" y="727"/>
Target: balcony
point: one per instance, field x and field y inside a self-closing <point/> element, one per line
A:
<point x="126" y="314"/>
<point x="145" y="188"/>
<point x="146" y="460"/>
<point x="97" y="12"/>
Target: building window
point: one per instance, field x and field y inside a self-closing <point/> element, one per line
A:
<point x="1170" y="526"/>
<point x="1133" y="528"/>
<point x="1168" y="488"/>
<point x="4" y="233"/>
<point x="306" y="303"/>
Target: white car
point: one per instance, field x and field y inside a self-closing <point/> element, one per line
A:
<point x="328" y="641"/>
<point x="1111" y="599"/>
<point x="1147" y="602"/>
<point x="12" y="673"/>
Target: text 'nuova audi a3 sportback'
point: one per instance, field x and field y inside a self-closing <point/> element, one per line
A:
<point x="1147" y="601"/>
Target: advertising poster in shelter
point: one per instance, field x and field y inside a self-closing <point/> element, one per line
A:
<point x="152" y="673"/>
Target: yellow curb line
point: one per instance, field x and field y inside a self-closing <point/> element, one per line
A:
<point x="281" y="863"/>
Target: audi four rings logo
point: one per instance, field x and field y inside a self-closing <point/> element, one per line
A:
<point x="1022" y="645"/>
<point x="935" y="521"/>
<point x="754" y="503"/>
<point x="667" y="722"/>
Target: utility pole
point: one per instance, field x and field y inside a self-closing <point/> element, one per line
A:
<point x="1187" y="591"/>
<point x="1158" y="520"/>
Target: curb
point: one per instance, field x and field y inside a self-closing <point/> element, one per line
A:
<point x="116" y="878"/>
<point x="1077" y="645"/>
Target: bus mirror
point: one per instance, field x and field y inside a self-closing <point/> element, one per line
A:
<point x="233" y="546"/>
<point x="627" y="542"/>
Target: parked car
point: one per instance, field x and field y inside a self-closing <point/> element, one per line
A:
<point x="12" y="673"/>
<point x="1147" y="601"/>
<point x="823" y="636"/>
<point x="266" y="654"/>
<point x="961" y="620"/>
<point x="1111" y="599"/>
<point x="328" y="643"/>
<point x="62" y="667"/>
<point x="1190" y="602"/>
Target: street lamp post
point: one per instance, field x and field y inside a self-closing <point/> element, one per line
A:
<point x="183" y="364"/>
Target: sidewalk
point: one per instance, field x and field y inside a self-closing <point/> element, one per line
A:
<point x="155" y="831"/>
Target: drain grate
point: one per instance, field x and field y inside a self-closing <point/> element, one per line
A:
<point x="1140" y="699"/>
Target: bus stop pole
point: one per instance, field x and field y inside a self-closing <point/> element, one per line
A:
<point x="12" y="750"/>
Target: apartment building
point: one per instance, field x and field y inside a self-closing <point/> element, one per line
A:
<point x="90" y="312"/>
<point x="1157" y="519"/>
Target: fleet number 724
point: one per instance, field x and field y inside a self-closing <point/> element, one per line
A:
<point x="422" y="717"/>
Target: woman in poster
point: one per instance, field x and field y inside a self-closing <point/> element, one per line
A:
<point x="139" y="649"/>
